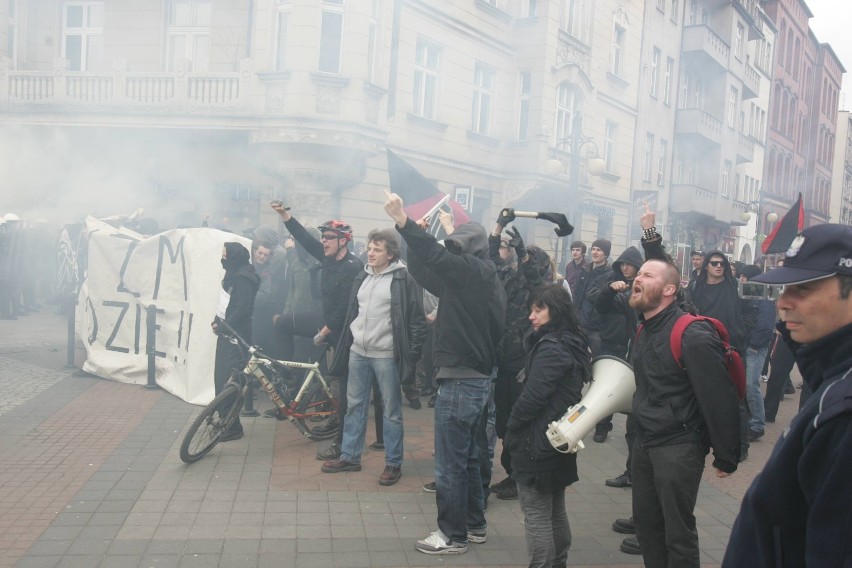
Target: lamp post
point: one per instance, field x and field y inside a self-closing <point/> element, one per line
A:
<point x="755" y="208"/>
<point x="595" y="166"/>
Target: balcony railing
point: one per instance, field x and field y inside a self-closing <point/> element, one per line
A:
<point x="706" y="46"/>
<point x="745" y="148"/>
<point x="179" y="92"/>
<point x="751" y="82"/>
<point x="699" y="124"/>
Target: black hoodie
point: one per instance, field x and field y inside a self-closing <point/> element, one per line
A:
<point x="472" y="306"/>
<point x="722" y="302"/>
<point x="241" y="282"/>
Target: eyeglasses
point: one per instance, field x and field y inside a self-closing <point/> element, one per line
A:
<point x="330" y="237"/>
<point x="716" y="263"/>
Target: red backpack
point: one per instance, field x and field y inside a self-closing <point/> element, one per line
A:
<point x="733" y="361"/>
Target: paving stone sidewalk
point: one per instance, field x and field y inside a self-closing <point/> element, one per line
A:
<point x="90" y="477"/>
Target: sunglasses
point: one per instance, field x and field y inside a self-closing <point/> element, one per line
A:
<point x="716" y="263"/>
<point x="330" y="237"/>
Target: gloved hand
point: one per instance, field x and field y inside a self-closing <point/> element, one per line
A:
<point x="517" y="243"/>
<point x="563" y="227"/>
<point x="506" y="216"/>
<point x="319" y="339"/>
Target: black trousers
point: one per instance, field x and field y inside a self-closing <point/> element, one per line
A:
<point x="229" y="358"/>
<point x="507" y="389"/>
<point x="779" y="374"/>
<point x="665" y="488"/>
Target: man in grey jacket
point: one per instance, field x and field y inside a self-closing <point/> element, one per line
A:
<point x="385" y="328"/>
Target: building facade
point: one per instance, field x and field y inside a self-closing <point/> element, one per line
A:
<point x="841" y="184"/>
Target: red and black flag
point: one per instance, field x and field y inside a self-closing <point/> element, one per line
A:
<point x="785" y="231"/>
<point x="418" y="194"/>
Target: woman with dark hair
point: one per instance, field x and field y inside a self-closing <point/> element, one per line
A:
<point x="236" y="304"/>
<point x="557" y="365"/>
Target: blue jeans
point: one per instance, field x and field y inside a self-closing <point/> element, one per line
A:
<point x="460" y="412"/>
<point x="362" y="371"/>
<point x="754" y="364"/>
<point x="546" y="523"/>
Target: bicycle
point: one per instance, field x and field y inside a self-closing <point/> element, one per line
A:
<point x="306" y="404"/>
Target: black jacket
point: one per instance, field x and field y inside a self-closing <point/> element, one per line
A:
<point x="676" y="406"/>
<point x="557" y="366"/>
<point x="519" y="283"/>
<point x="589" y="285"/>
<point x="472" y="306"/>
<point x="241" y="282"/>
<point x="616" y="327"/>
<point x="798" y="511"/>
<point x="337" y="277"/>
<point x="407" y="321"/>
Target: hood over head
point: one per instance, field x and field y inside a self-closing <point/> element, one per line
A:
<point x="468" y="238"/>
<point x="727" y="264"/>
<point x="631" y="256"/>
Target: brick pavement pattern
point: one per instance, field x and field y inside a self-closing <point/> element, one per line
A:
<point x="90" y="477"/>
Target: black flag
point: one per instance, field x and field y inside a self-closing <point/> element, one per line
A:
<point x="785" y="231"/>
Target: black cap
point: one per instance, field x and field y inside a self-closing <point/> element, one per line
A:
<point x="817" y="252"/>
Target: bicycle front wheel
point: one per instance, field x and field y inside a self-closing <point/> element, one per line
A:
<point x="209" y="426"/>
<point x="317" y="415"/>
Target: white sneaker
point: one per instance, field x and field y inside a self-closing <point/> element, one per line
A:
<point x="435" y="544"/>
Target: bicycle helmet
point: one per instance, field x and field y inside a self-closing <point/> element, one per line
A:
<point x="343" y="230"/>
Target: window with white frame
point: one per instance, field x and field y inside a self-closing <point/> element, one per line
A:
<point x="738" y="41"/>
<point x="610" y="140"/>
<point x="675" y="12"/>
<point x="661" y="164"/>
<point x="667" y="81"/>
<point x="568" y="108"/>
<point x="661" y="6"/>
<point x="426" y="62"/>
<point x="83" y="35"/>
<point x="525" y="88"/>
<point x="656" y="55"/>
<point x="530" y="9"/>
<point x="726" y="177"/>
<point x="575" y="18"/>
<point x="282" y="16"/>
<point x="733" y="98"/>
<point x="619" y="39"/>
<point x="189" y="34"/>
<point x="649" y="157"/>
<point x="483" y="92"/>
<point x="372" y="41"/>
<point x="12" y="32"/>
<point x="331" y="36"/>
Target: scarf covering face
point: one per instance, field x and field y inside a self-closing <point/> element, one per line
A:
<point x="237" y="256"/>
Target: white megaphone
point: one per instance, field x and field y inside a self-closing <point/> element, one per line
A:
<point x="611" y="391"/>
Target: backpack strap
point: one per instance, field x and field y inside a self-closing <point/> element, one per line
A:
<point x="680" y="326"/>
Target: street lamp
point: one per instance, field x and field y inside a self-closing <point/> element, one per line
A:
<point x="753" y="209"/>
<point x="595" y="165"/>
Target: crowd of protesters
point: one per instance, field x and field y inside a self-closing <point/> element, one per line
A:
<point x="504" y="343"/>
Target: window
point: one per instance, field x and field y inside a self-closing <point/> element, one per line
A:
<point x="331" y="36"/>
<point x="568" y="109"/>
<point x="83" y="35"/>
<point x="655" y="71"/>
<point x="281" y="17"/>
<point x="372" y="39"/>
<point x="575" y="18"/>
<point x="483" y="91"/>
<point x="661" y="165"/>
<point x="525" y="80"/>
<point x="611" y="135"/>
<point x="726" y="177"/>
<point x="189" y="34"/>
<point x="738" y="41"/>
<point x="661" y="6"/>
<point x="426" y="79"/>
<point x="530" y="9"/>
<point x="733" y="98"/>
<point x="12" y="33"/>
<point x="649" y="156"/>
<point x="667" y="81"/>
<point x="619" y="36"/>
<point x="675" y="11"/>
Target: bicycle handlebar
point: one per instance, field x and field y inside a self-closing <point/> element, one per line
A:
<point x="229" y="332"/>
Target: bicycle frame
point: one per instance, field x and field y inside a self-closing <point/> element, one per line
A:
<point x="254" y="367"/>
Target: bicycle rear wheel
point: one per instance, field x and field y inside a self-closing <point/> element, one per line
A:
<point x="317" y="414"/>
<point x="209" y="426"/>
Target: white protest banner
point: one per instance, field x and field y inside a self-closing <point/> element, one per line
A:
<point x="175" y="277"/>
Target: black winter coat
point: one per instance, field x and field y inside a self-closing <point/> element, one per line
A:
<point x="337" y="278"/>
<point x="675" y="406"/>
<point x="557" y="366"/>
<point x="407" y="321"/>
<point x="472" y="306"/>
<point x="589" y="285"/>
<point x="798" y="511"/>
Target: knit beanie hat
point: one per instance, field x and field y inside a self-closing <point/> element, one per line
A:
<point x="604" y="245"/>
